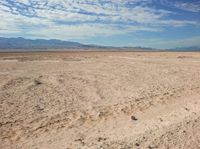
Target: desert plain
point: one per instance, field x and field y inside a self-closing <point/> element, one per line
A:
<point x="93" y="100"/>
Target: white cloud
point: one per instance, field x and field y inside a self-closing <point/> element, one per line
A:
<point x="188" y="6"/>
<point x="66" y="19"/>
<point x="23" y="1"/>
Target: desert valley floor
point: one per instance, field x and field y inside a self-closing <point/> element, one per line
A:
<point x="93" y="100"/>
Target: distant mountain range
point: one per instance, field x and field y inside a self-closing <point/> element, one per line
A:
<point x="192" y="48"/>
<point x="21" y="44"/>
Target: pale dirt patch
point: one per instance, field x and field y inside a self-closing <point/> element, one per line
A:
<point x="99" y="100"/>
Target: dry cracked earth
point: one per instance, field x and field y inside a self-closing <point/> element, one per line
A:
<point x="93" y="100"/>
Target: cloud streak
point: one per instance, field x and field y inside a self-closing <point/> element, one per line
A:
<point x="186" y="6"/>
<point x="193" y="7"/>
<point x="75" y="19"/>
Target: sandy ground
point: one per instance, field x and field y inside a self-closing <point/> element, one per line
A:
<point x="92" y="100"/>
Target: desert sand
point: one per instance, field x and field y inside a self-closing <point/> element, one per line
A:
<point x="92" y="100"/>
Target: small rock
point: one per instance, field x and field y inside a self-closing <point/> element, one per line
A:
<point x="39" y="108"/>
<point x="101" y="139"/>
<point x="81" y="140"/>
<point x="37" y="82"/>
<point x="186" y="109"/>
<point x="134" y="118"/>
<point x="137" y="144"/>
<point x="150" y="147"/>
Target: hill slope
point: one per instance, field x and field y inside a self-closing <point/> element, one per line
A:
<point x="21" y="43"/>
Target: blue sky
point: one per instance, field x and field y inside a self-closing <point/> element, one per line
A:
<point x="147" y="23"/>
